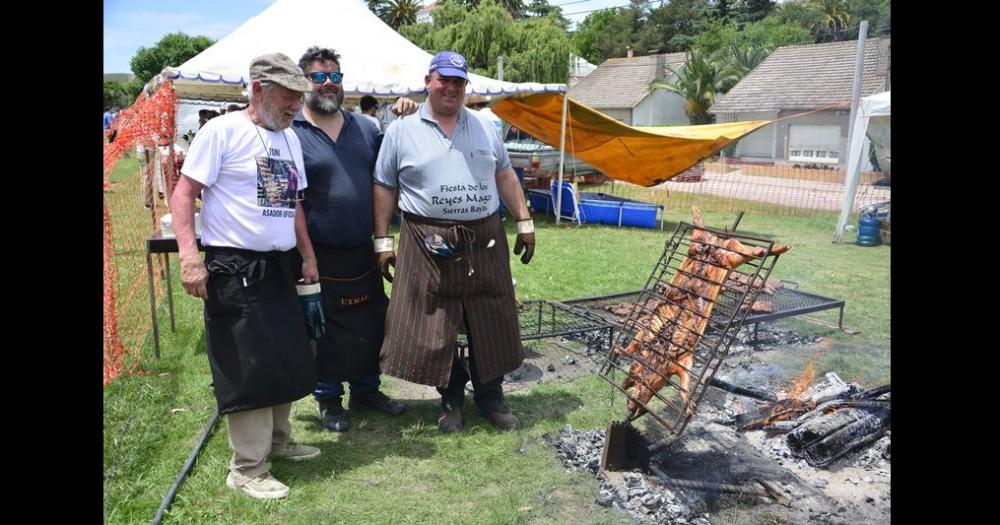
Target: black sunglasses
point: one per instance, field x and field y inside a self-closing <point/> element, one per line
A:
<point x="320" y="77"/>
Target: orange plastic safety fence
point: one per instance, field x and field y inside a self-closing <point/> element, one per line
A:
<point x="134" y="200"/>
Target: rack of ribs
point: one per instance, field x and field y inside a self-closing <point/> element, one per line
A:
<point x="664" y="344"/>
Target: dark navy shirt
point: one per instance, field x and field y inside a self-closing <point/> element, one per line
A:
<point x="338" y="201"/>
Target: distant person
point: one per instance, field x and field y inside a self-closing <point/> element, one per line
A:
<point x="205" y="115"/>
<point x="369" y="107"/>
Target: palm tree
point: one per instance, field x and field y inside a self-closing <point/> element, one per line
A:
<point x="514" y="7"/>
<point x="737" y="62"/>
<point x="399" y="12"/>
<point x="376" y="6"/>
<point x="833" y="18"/>
<point x="698" y="80"/>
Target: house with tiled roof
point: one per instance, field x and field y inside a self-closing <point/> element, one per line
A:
<point x="619" y="88"/>
<point x="815" y="78"/>
<point x="425" y="15"/>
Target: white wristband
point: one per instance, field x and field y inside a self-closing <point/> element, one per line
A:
<point x="383" y="244"/>
<point x="526" y="226"/>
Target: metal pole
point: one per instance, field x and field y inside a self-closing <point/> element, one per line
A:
<point x="562" y="156"/>
<point x="500" y="68"/>
<point x="850" y="179"/>
<point x="185" y="469"/>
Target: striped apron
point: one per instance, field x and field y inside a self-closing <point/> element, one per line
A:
<point x="431" y="293"/>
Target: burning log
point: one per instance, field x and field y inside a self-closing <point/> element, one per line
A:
<point x="825" y="438"/>
<point x="771" y="413"/>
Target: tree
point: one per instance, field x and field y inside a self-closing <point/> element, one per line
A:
<point x="397" y="13"/>
<point x="115" y="94"/>
<point x="172" y="50"/>
<point x="772" y="33"/>
<point x="671" y="27"/>
<point x="514" y="7"/>
<point x="536" y="49"/>
<point x="602" y="35"/>
<point x="484" y="35"/>
<point x="832" y="21"/>
<point x="376" y="6"/>
<point x="541" y="8"/>
<point x="697" y="83"/>
<point x="756" y="10"/>
<point x="876" y="12"/>
<point x="541" y="53"/>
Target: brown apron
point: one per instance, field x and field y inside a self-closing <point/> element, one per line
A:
<point x="430" y="294"/>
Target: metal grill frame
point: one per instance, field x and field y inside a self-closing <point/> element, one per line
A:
<point x="711" y="346"/>
<point x="788" y="301"/>
<point x="543" y="319"/>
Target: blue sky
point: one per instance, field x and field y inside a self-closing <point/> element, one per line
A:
<point x="129" y="24"/>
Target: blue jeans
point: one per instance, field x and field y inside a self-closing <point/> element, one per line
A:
<point x="334" y="389"/>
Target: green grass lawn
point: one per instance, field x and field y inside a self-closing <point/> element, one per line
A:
<point x="401" y="470"/>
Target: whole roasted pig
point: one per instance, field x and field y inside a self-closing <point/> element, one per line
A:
<point x="664" y="343"/>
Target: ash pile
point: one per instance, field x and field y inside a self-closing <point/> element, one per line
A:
<point x="642" y="497"/>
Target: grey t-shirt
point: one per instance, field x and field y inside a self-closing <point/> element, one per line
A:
<point x="438" y="177"/>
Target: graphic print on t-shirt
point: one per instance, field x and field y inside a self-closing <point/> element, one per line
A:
<point x="277" y="183"/>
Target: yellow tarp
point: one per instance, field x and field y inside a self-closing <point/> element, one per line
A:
<point x="641" y="155"/>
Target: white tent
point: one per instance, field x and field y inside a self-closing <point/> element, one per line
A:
<point x="375" y="59"/>
<point x="872" y="119"/>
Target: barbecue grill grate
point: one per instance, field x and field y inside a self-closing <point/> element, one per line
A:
<point x="677" y="337"/>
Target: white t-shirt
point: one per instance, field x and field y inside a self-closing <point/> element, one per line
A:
<point x="252" y="177"/>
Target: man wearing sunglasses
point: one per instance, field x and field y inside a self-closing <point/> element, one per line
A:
<point x="451" y="170"/>
<point x="339" y="151"/>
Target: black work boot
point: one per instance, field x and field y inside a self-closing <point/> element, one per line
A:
<point x="450" y="419"/>
<point x="496" y="412"/>
<point x="331" y="411"/>
<point x="375" y="400"/>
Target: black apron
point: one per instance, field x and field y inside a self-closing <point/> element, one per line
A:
<point x="257" y="344"/>
<point x="354" y="303"/>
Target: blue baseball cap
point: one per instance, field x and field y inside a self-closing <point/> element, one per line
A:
<point x="450" y="64"/>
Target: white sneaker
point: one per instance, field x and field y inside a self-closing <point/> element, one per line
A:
<point x="261" y="487"/>
<point x="294" y="451"/>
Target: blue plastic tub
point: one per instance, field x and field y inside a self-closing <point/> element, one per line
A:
<point x="598" y="208"/>
<point x="540" y="201"/>
<point x="601" y="208"/>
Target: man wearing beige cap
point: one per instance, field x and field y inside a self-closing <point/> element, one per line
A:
<point x="249" y="170"/>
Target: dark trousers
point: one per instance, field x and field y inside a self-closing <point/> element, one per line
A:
<point x="488" y="396"/>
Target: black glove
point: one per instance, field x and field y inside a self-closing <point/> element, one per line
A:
<point x="384" y="261"/>
<point x="526" y="242"/>
<point x="312" y="309"/>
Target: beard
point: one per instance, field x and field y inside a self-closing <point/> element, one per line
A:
<point x="325" y="105"/>
<point x="272" y="119"/>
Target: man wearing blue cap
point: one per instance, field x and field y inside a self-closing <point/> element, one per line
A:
<point x="450" y="169"/>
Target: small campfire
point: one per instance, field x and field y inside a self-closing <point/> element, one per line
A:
<point x="826" y="422"/>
